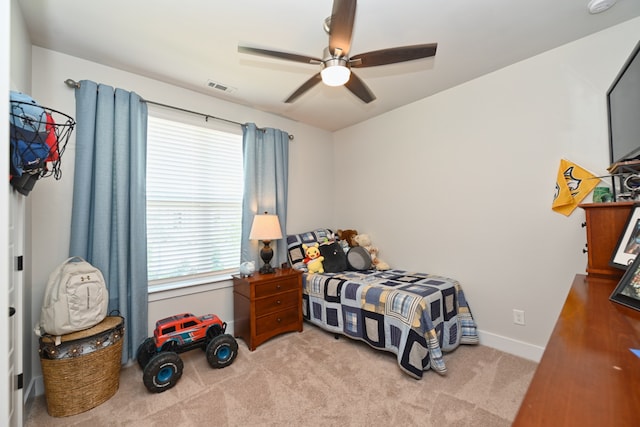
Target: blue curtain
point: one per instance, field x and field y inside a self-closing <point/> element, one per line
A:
<point x="108" y="223"/>
<point x="266" y="167"/>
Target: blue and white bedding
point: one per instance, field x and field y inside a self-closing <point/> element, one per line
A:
<point x="416" y="316"/>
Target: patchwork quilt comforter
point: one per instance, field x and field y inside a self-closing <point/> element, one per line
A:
<point x="417" y="316"/>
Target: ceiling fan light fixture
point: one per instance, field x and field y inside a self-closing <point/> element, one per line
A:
<point x="336" y="62"/>
<point x="335" y="72"/>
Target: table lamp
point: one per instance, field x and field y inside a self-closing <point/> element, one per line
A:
<point x="266" y="228"/>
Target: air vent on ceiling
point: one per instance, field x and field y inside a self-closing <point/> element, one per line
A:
<point x="220" y="86"/>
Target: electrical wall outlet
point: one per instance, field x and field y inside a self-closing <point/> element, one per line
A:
<point x="518" y="317"/>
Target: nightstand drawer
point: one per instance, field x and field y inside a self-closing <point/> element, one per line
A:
<point x="281" y="319"/>
<point x="276" y="302"/>
<point x="267" y="305"/>
<point x="273" y="287"/>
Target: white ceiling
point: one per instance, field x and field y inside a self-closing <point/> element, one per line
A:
<point x="189" y="42"/>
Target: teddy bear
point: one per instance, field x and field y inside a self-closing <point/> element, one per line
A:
<point x="347" y="236"/>
<point x="365" y="241"/>
<point x="313" y="259"/>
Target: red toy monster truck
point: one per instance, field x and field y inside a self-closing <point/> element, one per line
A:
<point x="158" y="355"/>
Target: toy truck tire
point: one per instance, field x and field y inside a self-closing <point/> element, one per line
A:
<point x="145" y="352"/>
<point x="222" y="351"/>
<point x="162" y="372"/>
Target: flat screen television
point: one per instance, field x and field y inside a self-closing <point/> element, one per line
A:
<point x="623" y="105"/>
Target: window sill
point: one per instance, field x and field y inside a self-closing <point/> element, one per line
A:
<point x="188" y="287"/>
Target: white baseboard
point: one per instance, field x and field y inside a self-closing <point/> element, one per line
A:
<point x="511" y="346"/>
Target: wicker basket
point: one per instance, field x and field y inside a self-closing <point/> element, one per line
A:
<point x="83" y="370"/>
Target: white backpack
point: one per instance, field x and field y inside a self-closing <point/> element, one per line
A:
<point x="76" y="298"/>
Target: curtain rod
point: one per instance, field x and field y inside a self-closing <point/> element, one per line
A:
<point x="73" y="84"/>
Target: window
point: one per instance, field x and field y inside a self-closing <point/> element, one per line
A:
<point x="194" y="201"/>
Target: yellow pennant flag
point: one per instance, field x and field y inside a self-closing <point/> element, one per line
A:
<point x="572" y="186"/>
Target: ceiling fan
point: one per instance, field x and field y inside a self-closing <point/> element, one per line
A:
<point x="336" y="63"/>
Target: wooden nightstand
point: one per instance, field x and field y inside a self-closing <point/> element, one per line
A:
<point x="266" y="305"/>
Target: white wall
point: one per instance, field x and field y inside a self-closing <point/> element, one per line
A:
<point x="461" y="183"/>
<point x="51" y="200"/>
<point x="20" y="60"/>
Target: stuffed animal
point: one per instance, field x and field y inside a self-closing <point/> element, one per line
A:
<point x="347" y="235"/>
<point x="313" y="258"/>
<point x="365" y="241"/>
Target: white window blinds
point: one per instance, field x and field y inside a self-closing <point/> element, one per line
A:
<point x="194" y="200"/>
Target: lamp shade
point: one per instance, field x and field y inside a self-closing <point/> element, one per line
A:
<point x="265" y="227"/>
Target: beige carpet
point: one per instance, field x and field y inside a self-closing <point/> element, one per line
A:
<point x="312" y="379"/>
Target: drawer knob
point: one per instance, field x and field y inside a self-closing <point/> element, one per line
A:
<point x="279" y="320"/>
<point x="278" y="286"/>
<point x="278" y="302"/>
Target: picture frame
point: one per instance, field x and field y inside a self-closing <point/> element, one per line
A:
<point x="628" y="245"/>
<point x="627" y="292"/>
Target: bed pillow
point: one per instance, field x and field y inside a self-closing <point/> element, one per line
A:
<point x="359" y="259"/>
<point x="295" y="241"/>
<point x="335" y="260"/>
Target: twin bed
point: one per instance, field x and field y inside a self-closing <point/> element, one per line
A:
<point x="416" y="316"/>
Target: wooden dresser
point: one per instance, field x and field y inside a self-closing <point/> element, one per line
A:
<point x="587" y="376"/>
<point x="266" y="305"/>
<point x="605" y="224"/>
